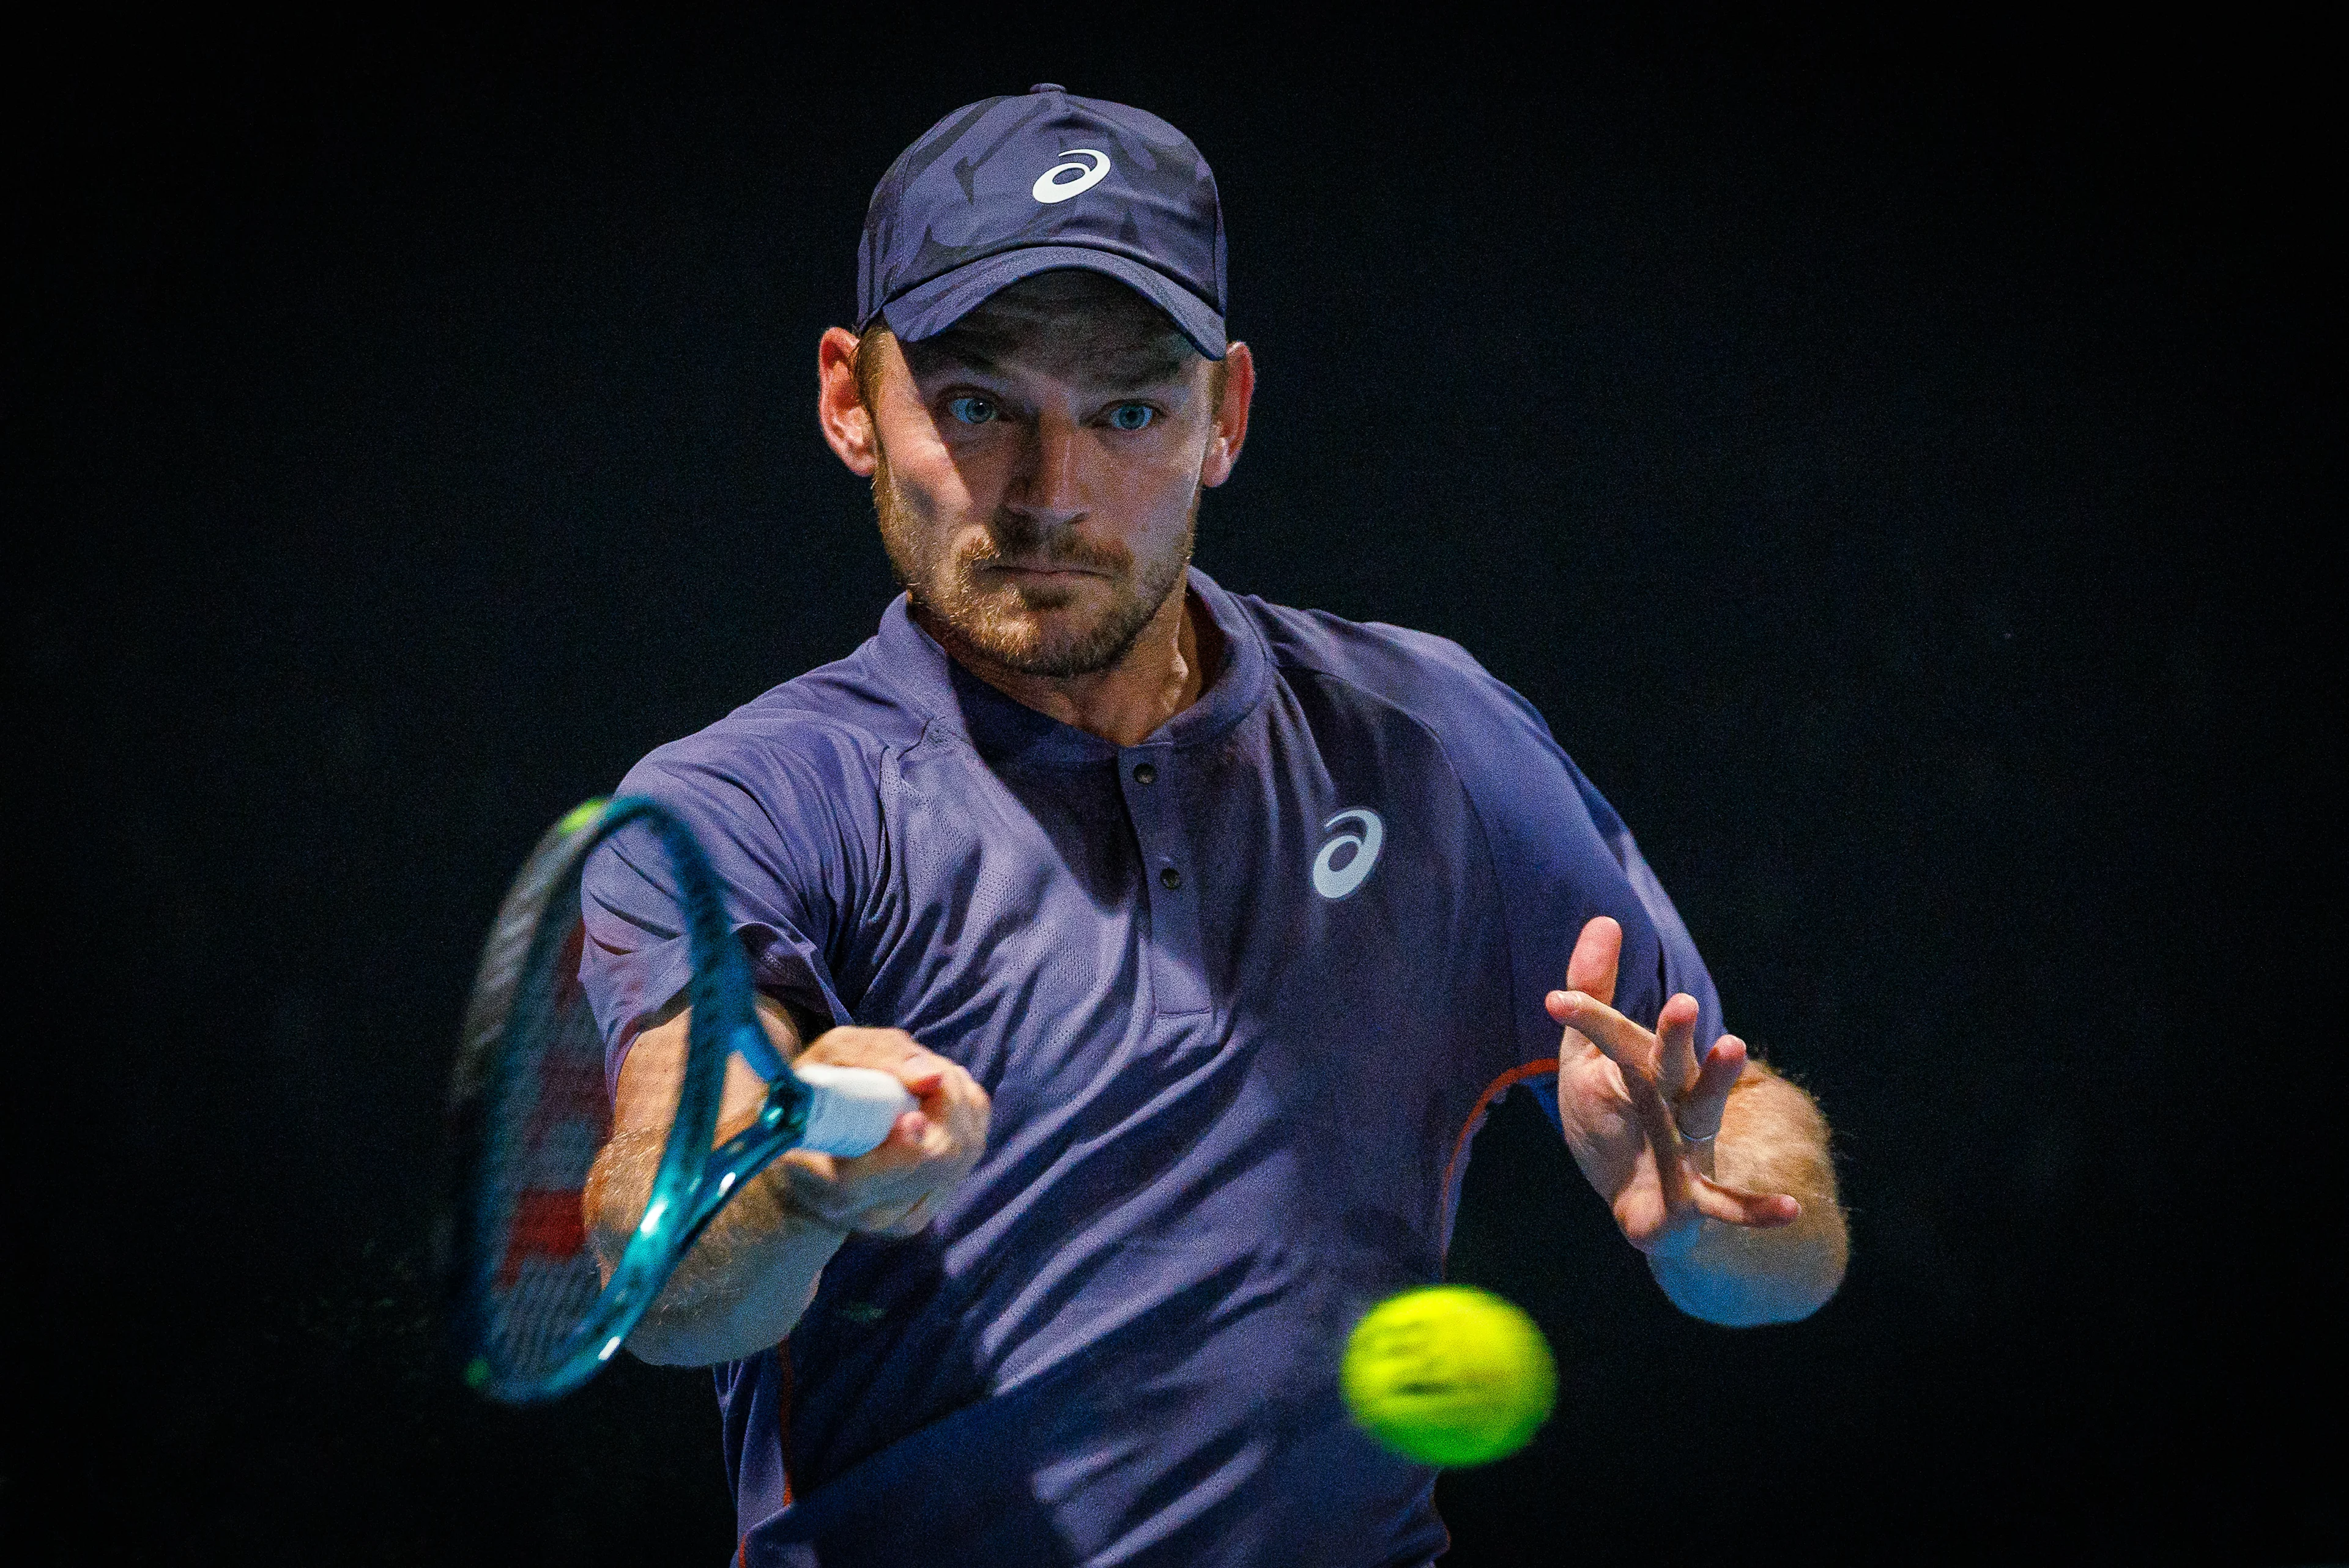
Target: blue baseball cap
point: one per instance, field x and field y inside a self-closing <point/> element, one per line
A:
<point x="1010" y="187"/>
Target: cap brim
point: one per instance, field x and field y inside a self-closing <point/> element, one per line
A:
<point x="927" y="309"/>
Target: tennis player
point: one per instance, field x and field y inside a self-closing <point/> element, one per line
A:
<point x="1203" y="931"/>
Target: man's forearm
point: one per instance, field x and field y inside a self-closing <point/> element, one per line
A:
<point x="1772" y="1139"/>
<point x="748" y="1278"/>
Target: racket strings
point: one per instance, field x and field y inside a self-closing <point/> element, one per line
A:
<point x="554" y="1120"/>
<point x="532" y="1313"/>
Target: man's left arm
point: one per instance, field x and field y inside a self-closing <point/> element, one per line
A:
<point x="1715" y="1168"/>
<point x="1772" y="1139"/>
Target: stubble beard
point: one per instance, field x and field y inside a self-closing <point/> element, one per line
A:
<point x="999" y="624"/>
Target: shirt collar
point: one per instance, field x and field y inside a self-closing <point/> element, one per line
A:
<point x="1001" y="729"/>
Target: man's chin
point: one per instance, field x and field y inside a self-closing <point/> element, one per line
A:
<point x="1041" y="599"/>
<point x="1029" y="640"/>
<point x="1042" y="624"/>
<point x="1043" y="646"/>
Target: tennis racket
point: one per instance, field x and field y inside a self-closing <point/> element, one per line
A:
<point x="533" y="1315"/>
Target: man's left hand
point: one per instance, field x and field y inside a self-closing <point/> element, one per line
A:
<point x="1641" y="1110"/>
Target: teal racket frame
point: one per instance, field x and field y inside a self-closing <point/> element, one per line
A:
<point x="493" y="1090"/>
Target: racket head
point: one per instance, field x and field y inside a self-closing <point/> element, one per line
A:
<point x="533" y="1311"/>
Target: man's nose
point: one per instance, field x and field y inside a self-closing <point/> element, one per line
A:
<point x="1049" y="483"/>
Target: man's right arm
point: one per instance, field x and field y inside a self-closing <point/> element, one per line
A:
<point x="754" y="1270"/>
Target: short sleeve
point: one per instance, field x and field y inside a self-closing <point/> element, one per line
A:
<point x="1561" y="856"/>
<point x="788" y="816"/>
<point x="1677" y="965"/>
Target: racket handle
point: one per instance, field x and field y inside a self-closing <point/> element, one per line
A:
<point x="853" y="1108"/>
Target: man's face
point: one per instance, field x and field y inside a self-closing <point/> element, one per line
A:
<point x="1040" y="470"/>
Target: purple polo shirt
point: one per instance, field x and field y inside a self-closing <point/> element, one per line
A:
<point x="1241" y="994"/>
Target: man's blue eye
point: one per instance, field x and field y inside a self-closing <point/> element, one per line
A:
<point x="1132" y="416"/>
<point x="972" y="410"/>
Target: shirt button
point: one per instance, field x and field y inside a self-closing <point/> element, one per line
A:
<point x="1170" y="877"/>
<point x="1145" y="773"/>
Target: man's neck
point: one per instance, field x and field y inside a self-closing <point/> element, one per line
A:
<point x="1162" y="672"/>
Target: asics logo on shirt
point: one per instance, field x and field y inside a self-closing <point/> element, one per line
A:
<point x="1070" y="178"/>
<point x="1346" y="861"/>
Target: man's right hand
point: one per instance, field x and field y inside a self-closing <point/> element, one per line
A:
<point x="896" y="1188"/>
<point x="745" y="1282"/>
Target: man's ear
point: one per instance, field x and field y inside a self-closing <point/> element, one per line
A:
<point x="1232" y="418"/>
<point x="840" y="413"/>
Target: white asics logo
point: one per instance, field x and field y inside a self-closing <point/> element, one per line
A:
<point x="1334" y="881"/>
<point x="1050" y="187"/>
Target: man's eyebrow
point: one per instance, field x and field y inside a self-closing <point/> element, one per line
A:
<point x="1131" y="370"/>
<point x="1139" y="378"/>
<point x="939" y="359"/>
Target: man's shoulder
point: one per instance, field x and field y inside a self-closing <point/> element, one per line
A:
<point x="1432" y="679"/>
<point x="828" y="728"/>
<point x="1494" y="742"/>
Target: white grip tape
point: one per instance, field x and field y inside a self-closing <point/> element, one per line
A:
<point x="854" y="1109"/>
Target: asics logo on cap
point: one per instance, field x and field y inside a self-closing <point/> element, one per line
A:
<point x="990" y="194"/>
<point x="1051" y="186"/>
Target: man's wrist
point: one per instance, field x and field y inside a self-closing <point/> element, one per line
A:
<point x="1701" y="1275"/>
<point x="1680" y="1251"/>
<point x="804" y="1196"/>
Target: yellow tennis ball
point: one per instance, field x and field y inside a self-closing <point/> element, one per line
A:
<point x="1449" y="1375"/>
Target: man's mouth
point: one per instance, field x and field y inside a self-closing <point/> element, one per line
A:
<point x="1042" y="571"/>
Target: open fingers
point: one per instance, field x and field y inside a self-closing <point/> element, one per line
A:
<point x="1630" y="1046"/>
<point x="1676" y="1046"/>
<point x="1736" y="1206"/>
<point x="1596" y="954"/>
<point x="1701" y="1109"/>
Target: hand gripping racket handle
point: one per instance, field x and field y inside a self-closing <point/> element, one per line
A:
<point x="850" y="1110"/>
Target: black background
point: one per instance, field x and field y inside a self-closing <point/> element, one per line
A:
<point x="1903" y="464"/>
